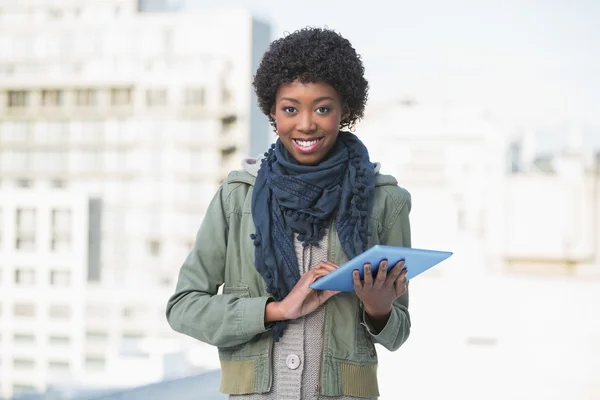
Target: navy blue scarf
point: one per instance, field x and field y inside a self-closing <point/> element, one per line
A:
<point x="291" y="198"/>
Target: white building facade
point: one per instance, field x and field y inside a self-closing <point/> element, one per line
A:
<point x="127" y="122"/>
<point x="518" y="300"/>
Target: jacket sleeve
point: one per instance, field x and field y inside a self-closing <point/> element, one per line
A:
<point x="196" y="309"/>
<point x="397" y="233"/>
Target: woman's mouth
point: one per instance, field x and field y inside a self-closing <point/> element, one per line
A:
<point x="308" y="146"/>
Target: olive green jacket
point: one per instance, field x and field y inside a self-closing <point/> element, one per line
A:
<point x="234" y="320"/>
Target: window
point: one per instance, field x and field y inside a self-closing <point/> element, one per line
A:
<point x="96" y="336"/>
<point x="24" y="310"/>
<point x="85" y="97"/>
<point x="60" y="278"/>
<point x="194" y="97"/>
<point x="58" y="183"/>
<point x="25" y="276"/>
<point x="23" y="363"/>
<point x="18" y="131"/>
<point x="58" y="366"/>
<point x="226" y="95"/>
<point x="23" y="183"/>
<point x="24" y="338"/>
<point x="57" y="131"/>
<point x="59" y="340"/>
<point x="120" y="97"/>
<point x="97" y="312"/>
<point x="61" y="230"/>
<point x="22" y="160"/>
<point x="25" y="220"/>
<point x="95" y="363"/>
<point x="154" y="247"/>
<point x="18" y="98"/>
<point x="25" y="229"/>
<point x="60" y="312"/>
<point x="51" y="98"/>
<point x="23" y="388"/>
<point x="156" y="97"/>
<point x="133" y="335"/>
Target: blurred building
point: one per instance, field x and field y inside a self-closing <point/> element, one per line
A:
<point x="549" y="221"/>
<point x="452" y="161"/>
<point x="116" y="127"/>
<point x="518" y="299"/>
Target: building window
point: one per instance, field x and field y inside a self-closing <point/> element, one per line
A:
<point x="51" y="98"/>
<point x="154" y="247"/>
<point x="58" y="366"/>
<point x="25" y="220"/>
<point x="133" y="335"/>
<point x="54" y="162"/>
<point x="95" y="363"/>
<point x="60" y="312"/>
<point x="23" y="388"/>
<point x="194" y="97"/>
<point x="17" y="131"/>
<point x="24" y="338"/>
<point x="23" y="363"/>
<point x="23" y="183"/>
<point x="120" y="97"/>
<point x="58" y="340"/>
<point x="18" y="98"/>
<point x="25" y="276"/>
<point x="61" y="230"/>
<point x="156" y="97"/>
<point x="57" y="131"/>
<point x="24" y="310"/>
<point x="96" y="336"/>
<point x="60" y="278"/>
<point x="25" y="229"/>
<point x="22" y="160"/>
<point x="58" y="183"/>
<point x="97" y="312"/>
<point x="85" y="97"/>
<point x="226" y="95"/>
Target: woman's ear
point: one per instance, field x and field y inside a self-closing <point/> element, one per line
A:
<point x="345" y="112"/>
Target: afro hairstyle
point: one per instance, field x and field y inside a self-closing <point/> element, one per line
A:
<point x="313" y="55"/>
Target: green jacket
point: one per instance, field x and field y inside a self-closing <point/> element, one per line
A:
<point x="234" y="320"/>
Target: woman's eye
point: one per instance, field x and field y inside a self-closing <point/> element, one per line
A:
<point x="289" y="110"/>
<point x="323" y="110"/>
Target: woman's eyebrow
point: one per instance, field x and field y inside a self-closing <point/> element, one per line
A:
<point x="317" y="100"/>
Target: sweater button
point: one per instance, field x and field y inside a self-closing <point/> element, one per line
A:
<point x="292" y="361"/>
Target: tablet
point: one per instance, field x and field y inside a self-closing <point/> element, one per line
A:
<point x="416" y="261"/>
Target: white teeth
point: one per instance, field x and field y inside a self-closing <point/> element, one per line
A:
<point x="306" y="143"/>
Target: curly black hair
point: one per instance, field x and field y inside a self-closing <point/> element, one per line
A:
<point x="313" y="55"/>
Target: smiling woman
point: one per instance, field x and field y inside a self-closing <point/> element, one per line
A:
<point x="289" y="218"/>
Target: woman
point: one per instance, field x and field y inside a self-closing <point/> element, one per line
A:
<point x="314" y="201"/>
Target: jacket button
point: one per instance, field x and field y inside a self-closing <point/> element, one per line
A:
<point x="292" y="361"/>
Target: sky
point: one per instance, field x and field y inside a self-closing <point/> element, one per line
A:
<point x="532" y="64"/>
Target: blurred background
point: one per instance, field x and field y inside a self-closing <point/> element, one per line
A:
<point x="120" y="118"/>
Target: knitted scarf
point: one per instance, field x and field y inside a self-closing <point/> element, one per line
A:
<point x="290" y="198"/>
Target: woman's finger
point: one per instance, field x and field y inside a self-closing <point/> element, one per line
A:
<point x="381" y="273"/>
<point x="368" y="277"/>
<point x="395" y="272"/>
<point x="357" y="282"/>
<point x="400" y="282"/>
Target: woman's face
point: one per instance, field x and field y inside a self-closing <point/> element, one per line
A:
<point x="307" y="117"/>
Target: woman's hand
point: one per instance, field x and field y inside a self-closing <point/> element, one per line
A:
<point x="378" y="295"/>
<point x="302" y="300"/>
